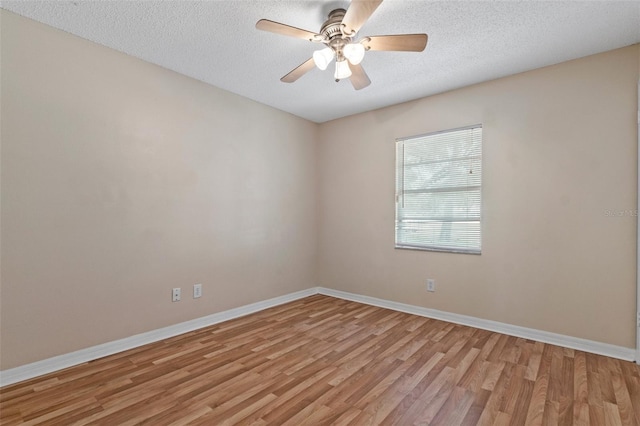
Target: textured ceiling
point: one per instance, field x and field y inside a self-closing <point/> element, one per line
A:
<point x="469" y="42"/>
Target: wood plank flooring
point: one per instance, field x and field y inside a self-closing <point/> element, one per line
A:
<point x="322" y="360"/>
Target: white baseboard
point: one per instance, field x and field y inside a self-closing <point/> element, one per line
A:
<point x="60" y="362"/>
<point x="613" y="351"/>
<point x="50" y="365"/>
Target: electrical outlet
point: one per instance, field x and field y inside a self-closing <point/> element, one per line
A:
<point x="431" y="285"/>
<point x="175" y="294"/>
<point x="197" y="290"/>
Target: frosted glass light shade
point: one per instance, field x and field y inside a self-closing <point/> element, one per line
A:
<point x="342" y="70"/>
<point x="354" y="52"/>
<point x="322" y="58"/>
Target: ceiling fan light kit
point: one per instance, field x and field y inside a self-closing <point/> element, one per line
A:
<point x="338" y="34"/>
<point x="342" y="70"/>
<point x="354" y="52"/>
<point x="322" y="58"/>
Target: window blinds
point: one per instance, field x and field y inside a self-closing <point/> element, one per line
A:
<point x="439" y="191"/>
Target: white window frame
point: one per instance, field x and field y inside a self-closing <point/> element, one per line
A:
<point x="400" y="195"/>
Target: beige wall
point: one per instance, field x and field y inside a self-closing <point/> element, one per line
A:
<point x="559" y="149"/>
<point x="121" y="180"/>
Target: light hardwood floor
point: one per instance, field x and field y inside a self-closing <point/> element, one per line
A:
<point x="322" y="360"/>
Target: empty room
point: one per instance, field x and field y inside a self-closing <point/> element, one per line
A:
<point x="316" y="212"/>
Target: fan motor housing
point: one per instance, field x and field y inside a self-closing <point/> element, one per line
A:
<point x="332" y="28"/>
<point x="332" y="31"/>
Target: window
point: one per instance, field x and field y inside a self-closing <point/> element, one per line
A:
<point x="439" y="191"/>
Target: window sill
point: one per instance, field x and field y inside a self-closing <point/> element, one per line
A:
<point x="439" y="250"/>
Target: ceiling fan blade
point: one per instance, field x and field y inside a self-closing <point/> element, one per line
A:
<point x="399" y="42"/>
<point x="288" y="30"/>
<point x="299" y="71"/>
<point x="359" y="78"/>
<point x="357" y="14"/>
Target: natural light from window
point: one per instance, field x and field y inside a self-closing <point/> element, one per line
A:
<point x="439" y="191"/>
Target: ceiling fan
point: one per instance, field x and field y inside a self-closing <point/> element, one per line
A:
<point x="338" y="34"/>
